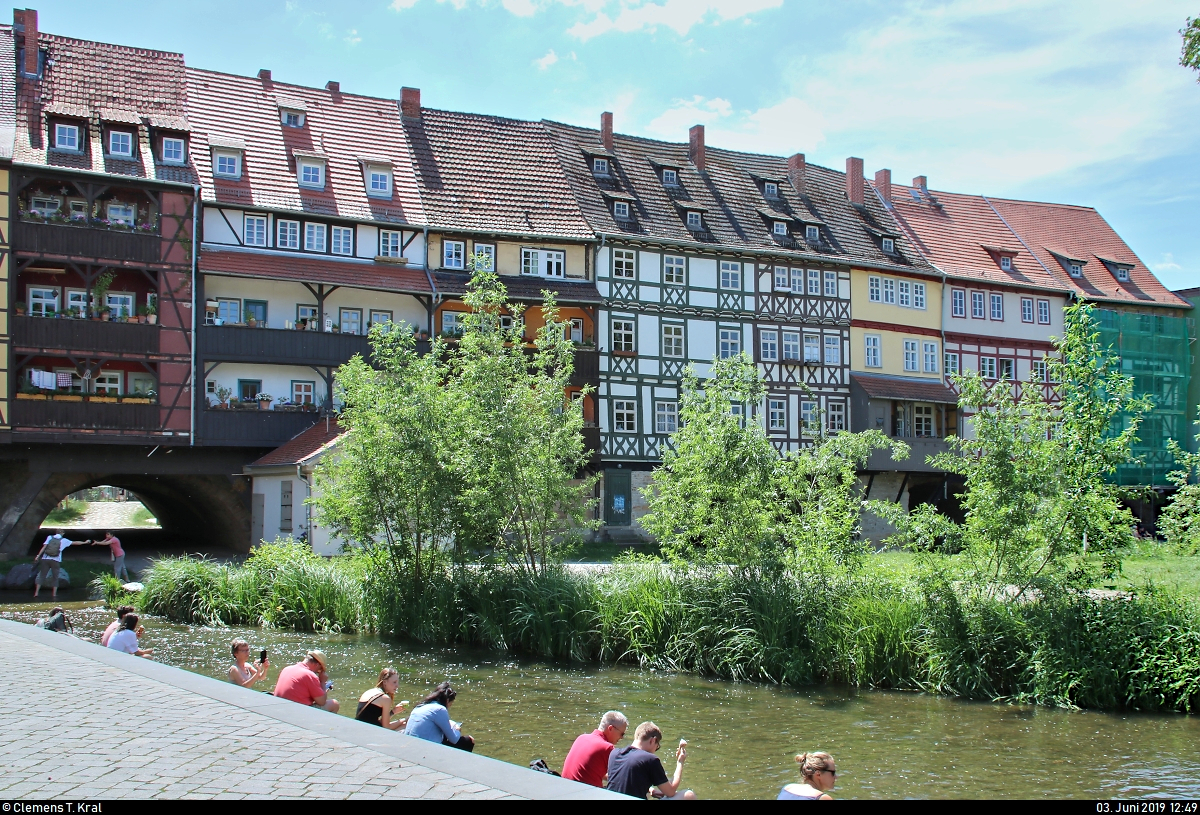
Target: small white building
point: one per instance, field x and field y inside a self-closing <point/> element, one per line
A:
<point x="282" y="483"/>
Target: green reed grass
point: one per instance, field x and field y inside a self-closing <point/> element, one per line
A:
<point x="876" y="630"/>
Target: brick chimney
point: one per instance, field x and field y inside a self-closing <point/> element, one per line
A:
<point x="410" y="102"/>
<point x="696" y="146"/>
<point x="883" y="184"/>
<point x="921" y="183"/>
<point x="265" y="75"/>
<point x="606" y="130"/>
<point x="27" y="19"/>
<point x="854" y="180"/>
<point x="796" y="172"/>
<point x="333" y="87"/>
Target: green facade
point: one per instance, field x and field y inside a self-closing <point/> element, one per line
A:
<point x="1155" y="350"/>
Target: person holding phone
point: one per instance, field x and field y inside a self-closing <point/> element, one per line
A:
<point x="377" y="705"/>
<point x="245" y="673"/>
<point x="636" y="770"/>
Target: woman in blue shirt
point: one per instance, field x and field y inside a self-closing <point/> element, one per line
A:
<point x="431" y="721"/>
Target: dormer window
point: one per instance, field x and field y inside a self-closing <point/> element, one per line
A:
<point x="379" y="181"/>
<point x="621" y="210"/>
<point x="173" y="151"/>
<point x="812" y="234"/>
<point x="780" y="228"/>
<point x="1006" y="263"/>
<point x="291" y="111"/>
<point x="227" y="164"/>
<point x="120" y="143"/>
<point x="670" y="178"/>
<point x="889" y="246"/>
<point x="771" y="189"/>
<point x="1123" y="274"/>
<point x="695" y="221"/>
<point x="291" y="118"/>
<point x="599" y="166"/>
<point x="311" y="174"/>
<point x="1075" y="270"/>
<point x="66" y="137"/>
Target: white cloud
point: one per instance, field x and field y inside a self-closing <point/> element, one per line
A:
<point x="790" y="126"/>
<point x="545" y="62"/>
<point x="678" y="15"/>
<point x="352" y="38"/>
<point x="1167" y="264"/>
<point x="401" y="5"/>
<point x="521" y="8"/>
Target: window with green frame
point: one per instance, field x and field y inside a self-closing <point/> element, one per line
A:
<point x="256" y="309"/>
<point x="248" y="389"/>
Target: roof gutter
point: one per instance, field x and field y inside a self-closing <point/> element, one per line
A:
<point x="436" y="296"/>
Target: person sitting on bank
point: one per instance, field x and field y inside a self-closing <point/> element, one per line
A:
<point x="376" y="705"/>
<point x="57" y="621"/>
<point x="819" y="773"/>
<point x="587" y="762"/>
<point x="637" y="771"/>
<point x="431" y="721"/>
<point x="126" y="639"/>
<point x="307" y="683"/>
<point x="115" y="624"/>
<point x="49" y="559"/>
<point x="242" y="671"/>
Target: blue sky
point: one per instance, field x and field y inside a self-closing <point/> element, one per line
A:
<point x="1079" y="102"/>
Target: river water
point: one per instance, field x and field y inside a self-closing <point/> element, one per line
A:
<point x="741" y="737"/>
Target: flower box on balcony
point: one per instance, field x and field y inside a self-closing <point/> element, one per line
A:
<point x="110" y="399"/>
<point x="39" y="396"/>
<point x="136" y="400"/>
<point x="68" y="397"/>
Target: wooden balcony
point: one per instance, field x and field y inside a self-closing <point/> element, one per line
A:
<point x="69" y="240"/>
<point x="251" y="428"/>
<point x="234" y="343"/>
<point x="67" y="416"/>
<point x="881" y="460"/>
<point x="587" y="368"/>
<point x="98" y="336"/>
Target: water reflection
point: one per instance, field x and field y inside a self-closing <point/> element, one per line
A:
<point x="741" y="736"/>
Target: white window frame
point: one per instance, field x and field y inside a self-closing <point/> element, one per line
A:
<point x="812" y="349"/>
<point x="41" y="204"/>
<point x="254" y="230"/>
<point x="889" y="246"/>
<point x="1039" y="371"/>
<point x="791" y="345"/>
<point x="1075" y="270"/>
<point x="287" y="234"/>
<point x="543" y="262"/>
<point x="929" y="352"/>
<point x="731" y="275"/>
<point x="987" y="367"/>
<point x="777" y="414"/>
<point x="666" y="417"/>
<point x="1027" y="309"/>
<point x="678" y="277"/>
<point x="729" y="342"/>
<point x="923" y="415"/>
<point x="835" y="417"/>
<point x="121" y="213"/>
<point x="831" y="284"/>
<point x="624" y="335"/>
<point x="874" y="289"/>
<point x="768" y="346"/>
<point x="833" y="349"/>
<point x="889" y="291"/>
<point x="672" y="340"/>
<point x="951" y="362"/>
<point x="121" y="303"/>
<point x="905" y="294"/>
<point x="996" y="306"/>
<point x="624" y="264"/>
<point x="600" y="166"/>
<point x="1011" y="373"/>
<point x="780" y="228"/>
<point x="872" y="351"/>
<point x="452" y="322"/>
<point x="341" y="240"/>
<point x="670" y="178"/>
<point x="797" y="281"/>
<point x="1006" y="263"/>
<point x="782" y="279"/>
<point x="454" y="254"/>
<point x="695" y="220"/>
<point x="67" y="137"/>
<point x="315" y="237"/>
<point x="919" y="296"/>
<point x="621" y="210"/>
<point x="310" y="174"/>
<point x="172" y="145"/>
<point x="126" y="139"/>
<point x="911" y="361"/>
<point x="958" y="302"/>
<point x="770" y="189"/>
<point x="356" y="319"/>
<point x="391" y="243"/>
<point x="1122" y="274"/>
<point x="978" y="306"/>
<point x="379" y="182"/>
<point x="38" y="297"/>
<point x="814" y="282"/>
<point x="291" y="118"/>
<point x="810" y="416"/>
<point x="624" y="416"/>
<point x="488" y="250"/>
<point x="220" y="158"/>
<point x="812" y="233"/>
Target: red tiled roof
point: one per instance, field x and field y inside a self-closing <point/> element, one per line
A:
<point x="490" y="174"/>
<point x="340" y="126"/>
<point x="910" y="390"/>
<point x="354" y="274"/>
<point x="303" y="445"/>
<point x="8" y="92"/>
<point x="93" y="80"/>
<point x="1081" y="233"/>
<point x="954" y="232"/>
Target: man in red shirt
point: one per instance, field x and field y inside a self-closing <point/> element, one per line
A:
<point x="588" y="760"/>
<point x="307" y="683"/>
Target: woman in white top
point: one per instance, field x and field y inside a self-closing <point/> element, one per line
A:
<point x="241" y="672"/>
<point x="126" y="640"/>
<point x="819" y="773"/>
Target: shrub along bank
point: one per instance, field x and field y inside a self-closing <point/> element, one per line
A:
<point x="867" y="630"/>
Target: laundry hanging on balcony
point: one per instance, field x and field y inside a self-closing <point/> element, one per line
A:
<point x="64" y="380"/>
<point x="44" y="379"/>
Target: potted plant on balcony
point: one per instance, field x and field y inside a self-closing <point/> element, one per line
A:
<point x="151" y="314"/>
<point x="20" y="307"/>
<point x="264" y="401"/>
<point x="100" y="295"/>
<point x="140" y="316"/>
<point x="30" y="391"/>
<point x="251" y="320"/>
<point x="223" y="393"/>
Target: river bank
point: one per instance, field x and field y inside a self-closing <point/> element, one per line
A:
<point x="741" y="735"/>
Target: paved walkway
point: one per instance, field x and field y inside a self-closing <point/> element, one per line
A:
<point x="106" y="515"/>
<point x="81" y="721"/>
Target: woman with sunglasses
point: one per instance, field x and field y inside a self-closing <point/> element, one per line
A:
<point x="820" y="774"/>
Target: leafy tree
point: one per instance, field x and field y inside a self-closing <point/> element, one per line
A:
<point x="712" y="499"/>
<point x="388" y="486"/>
<point x="1038" y="502"/>
<point x="516" y="447"/>
<point x="1180" y="520"/>
<point x="1190" y="56"/>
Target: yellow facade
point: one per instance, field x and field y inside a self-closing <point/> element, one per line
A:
<point x="905" y="337"/>
<point x="508" y="253"/>
<point x="5" y="266"/>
